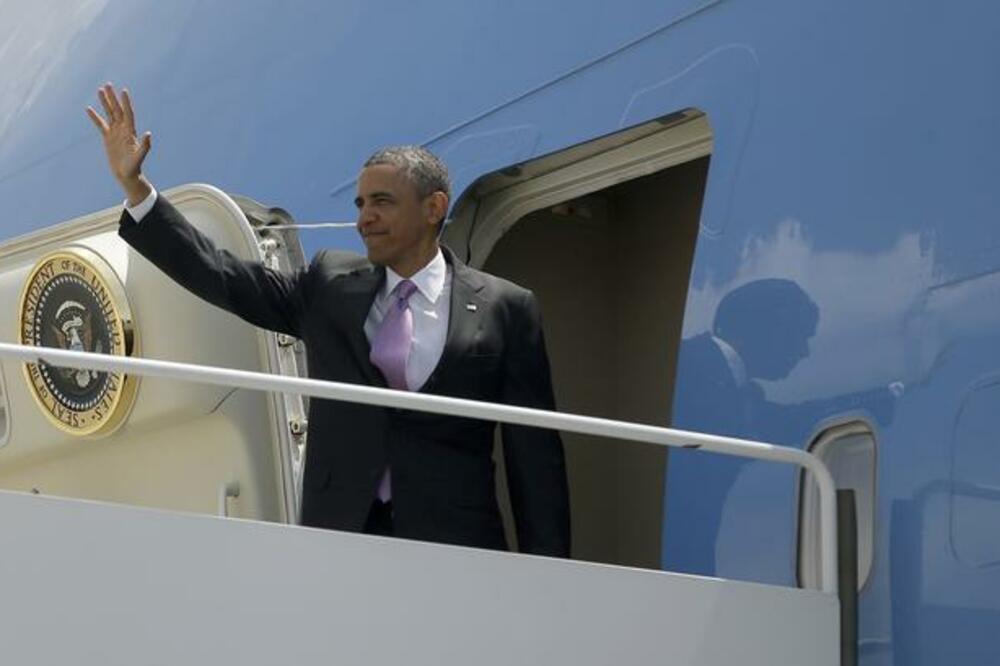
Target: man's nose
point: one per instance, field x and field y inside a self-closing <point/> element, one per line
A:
<point x="366" y="215"/>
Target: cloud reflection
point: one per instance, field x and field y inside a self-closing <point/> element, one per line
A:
<point x="35" y="40"/>
<point x="864" y="301"/>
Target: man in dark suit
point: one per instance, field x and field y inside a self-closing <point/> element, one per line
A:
<point x="411" y="316"/>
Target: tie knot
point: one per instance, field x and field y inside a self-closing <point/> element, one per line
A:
<point x="404" y="290"/>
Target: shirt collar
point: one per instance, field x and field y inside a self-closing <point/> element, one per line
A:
<point x="733" y="360"/>
<point x="429" y="279"/>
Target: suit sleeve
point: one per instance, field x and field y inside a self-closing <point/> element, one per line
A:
<point x="536" y="468"/>
<point x="260" y="295"/>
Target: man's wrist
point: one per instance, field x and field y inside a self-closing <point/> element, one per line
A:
<point x="136" y="190"/>
<point x="140" y="210"/>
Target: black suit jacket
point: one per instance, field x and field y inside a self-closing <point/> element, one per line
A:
<point x="442" y="467"/>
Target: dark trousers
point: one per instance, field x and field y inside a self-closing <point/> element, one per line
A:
<point x="379" y="520"/>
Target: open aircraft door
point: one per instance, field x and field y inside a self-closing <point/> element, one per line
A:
<point x="148" y="442"/>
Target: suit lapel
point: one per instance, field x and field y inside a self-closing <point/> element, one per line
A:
<point x="467" y="306"/>
<point x="358" y="295"/>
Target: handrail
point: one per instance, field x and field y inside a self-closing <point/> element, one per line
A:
<point x="369" y="395"/>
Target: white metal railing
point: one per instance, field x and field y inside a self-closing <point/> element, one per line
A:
<point x="369" y="395"/>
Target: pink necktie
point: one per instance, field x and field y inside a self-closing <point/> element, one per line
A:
<point x="390" y="350"/>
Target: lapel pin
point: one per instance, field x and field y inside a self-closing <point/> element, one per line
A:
<point x="471" y="307"/>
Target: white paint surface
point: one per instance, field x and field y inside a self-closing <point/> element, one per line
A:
<point x="86" y="583"/>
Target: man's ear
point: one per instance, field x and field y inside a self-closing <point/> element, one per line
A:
<point x="436" y="207"/>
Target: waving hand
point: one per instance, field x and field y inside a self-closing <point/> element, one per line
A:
<point x="125" y="151"/>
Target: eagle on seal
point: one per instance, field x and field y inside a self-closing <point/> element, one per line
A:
<point x="73" y="330"/>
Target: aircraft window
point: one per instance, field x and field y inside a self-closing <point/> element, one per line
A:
<point x="849" y="452"/>
<point x="975" y="481"/>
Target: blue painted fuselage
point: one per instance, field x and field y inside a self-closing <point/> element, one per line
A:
<point x="855" y="158"/>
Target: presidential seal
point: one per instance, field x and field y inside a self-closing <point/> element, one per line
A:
<point x="73" y="300"/>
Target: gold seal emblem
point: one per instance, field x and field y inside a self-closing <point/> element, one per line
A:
<point x="74" y="300"/>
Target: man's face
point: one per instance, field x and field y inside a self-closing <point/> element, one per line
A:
<point x="395" y="224"/>
<point x="774" y="356"/>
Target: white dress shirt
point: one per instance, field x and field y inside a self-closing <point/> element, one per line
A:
<point x="733" y="360"/>
<point x="431" y="308"/>
<point x="430" y="305"/>
<point x="139" y="210"/>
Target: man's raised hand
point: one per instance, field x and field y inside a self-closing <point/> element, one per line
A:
<point x="124" y="149"/>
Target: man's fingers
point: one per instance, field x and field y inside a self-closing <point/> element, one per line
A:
<point x="119" y="113"/>
<point x="115" y="104"/>
<point x="95" y="118"/>
<point x="145" y="145"/>
<point x="127" y="108"/>
<point x="102" y="94"/>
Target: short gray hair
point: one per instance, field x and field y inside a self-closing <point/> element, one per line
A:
<point x="421" y="167"/>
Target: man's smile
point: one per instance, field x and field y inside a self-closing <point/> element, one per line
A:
<point x="367" y="235"/>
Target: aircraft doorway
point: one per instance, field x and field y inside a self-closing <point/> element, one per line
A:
<point x="610" y="269"/>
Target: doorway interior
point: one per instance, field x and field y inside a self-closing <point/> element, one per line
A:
<point x="609" y="260"/>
